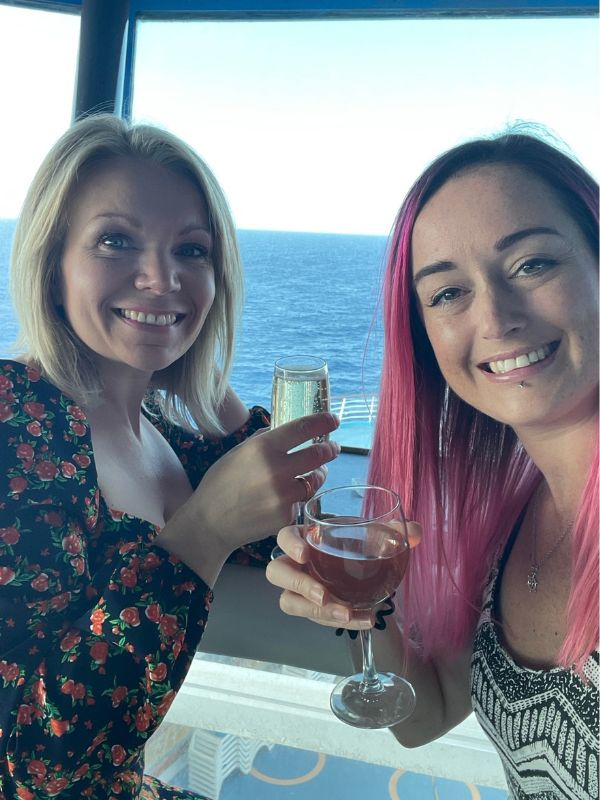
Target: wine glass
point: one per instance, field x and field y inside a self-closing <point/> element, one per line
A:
<point x="300" y="387"/>
<point x="359" y="551"/>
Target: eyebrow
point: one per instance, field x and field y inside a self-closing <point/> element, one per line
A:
<point x="501" y="244"/>
<point x="512" y="238"/>
<point x="193" y="226"/>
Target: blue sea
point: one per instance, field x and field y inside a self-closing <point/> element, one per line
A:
<point x="312" y="293"/>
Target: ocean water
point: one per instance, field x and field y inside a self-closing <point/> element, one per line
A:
<point x="313" y="293"/>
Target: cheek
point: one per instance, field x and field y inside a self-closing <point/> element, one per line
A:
<point x="445" y="339"/>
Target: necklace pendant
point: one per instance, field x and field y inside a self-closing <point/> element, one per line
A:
<point x="532" y="581"/>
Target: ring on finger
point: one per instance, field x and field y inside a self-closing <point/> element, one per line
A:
<point x="308" y="490"/>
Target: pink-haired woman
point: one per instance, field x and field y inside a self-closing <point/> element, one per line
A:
<point x="488" y="429"/>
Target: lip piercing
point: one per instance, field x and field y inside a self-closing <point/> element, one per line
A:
<point x="522" y="384"/>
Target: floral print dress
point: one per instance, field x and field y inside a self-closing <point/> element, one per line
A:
<point x="97" y="625"/>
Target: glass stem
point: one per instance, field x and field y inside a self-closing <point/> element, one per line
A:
<point x="370" y="683"/>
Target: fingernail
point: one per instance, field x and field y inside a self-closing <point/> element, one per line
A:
<point x="365" y="623"/>
<point x="337" y="447"/>
<point x="340" y="614"/>
<point x="316" y="595"/>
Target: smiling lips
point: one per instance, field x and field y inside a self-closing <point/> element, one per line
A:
<point x="502" y="366"/>
<point x="161" y="320"/>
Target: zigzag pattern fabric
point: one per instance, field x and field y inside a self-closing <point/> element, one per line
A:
<point x="544" y="723"/>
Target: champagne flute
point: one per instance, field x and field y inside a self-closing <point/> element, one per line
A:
<point x="360" y="554"/>
<point x="300" y="387"/>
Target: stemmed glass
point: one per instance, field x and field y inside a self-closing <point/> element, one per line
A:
<point x="300" y="387"/>
<point x="360" y="555"/>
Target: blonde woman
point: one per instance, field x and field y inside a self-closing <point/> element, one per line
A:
<point x="129" y="468"/>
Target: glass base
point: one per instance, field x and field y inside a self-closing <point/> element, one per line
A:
<point x="392" y="703"/>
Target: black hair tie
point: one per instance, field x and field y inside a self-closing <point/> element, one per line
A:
<point x="386" y="608"/>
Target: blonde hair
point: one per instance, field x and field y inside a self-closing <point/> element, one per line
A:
<point x="194" y="387"/>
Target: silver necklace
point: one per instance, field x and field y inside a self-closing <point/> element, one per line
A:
<point x="535" y="565"/>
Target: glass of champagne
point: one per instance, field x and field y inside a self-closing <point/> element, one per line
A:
<point x="359" y="551"/>
<point x="300" y="387"/>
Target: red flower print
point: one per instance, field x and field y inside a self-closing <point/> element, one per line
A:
<point x="67" y="469"/>
<point x="24" y="714"/>
<point x="34" y="428"/>
<point x="24" y="794"/>
<point x="72" y="544"/>
<point x="118" y="754"/>
<point x="128" y="577"/>
<point x="97" y="618"/>
<point x="78" y="565"/>
<point x="78" y="428"/>
<point x="75" y="412"/>
<point x="119" y="694"/>
<point x="159" y="673"/>
<point x="10" y="672"/>
<point x="80" y="771"/>
<point x="168" y="625"/>
<point x="177" y="645"/>
<point x="54" y="518"/>
<point x="6" y="575"/>
<point x="40" y="583"/>
<point x="59" y="726"/>
<point x="82" y="460"/>
<point x="37" y="769"/>
<point x="60" y="601"/>
<point x="69" y="641"/>
<point x="165" y="703"/>
<point x="46" y="470"/>
<point x="99" y="652"/>
<point x="38" y="692"/>
<point x="56" y="785"/>
<point x="153" y="612"/>
<point x="67" y="687"/>
<point x="18" y="484"/>
<point x="25" y="451"/>
<point x="9" y="536"/>
<point x="6" y="412"/>
<point x="5" y="384"/>
<point x="33" y="374"/>
<point x="35" y="410"/>
<point x="142" y="718"/>
<point x="130" y="616"/>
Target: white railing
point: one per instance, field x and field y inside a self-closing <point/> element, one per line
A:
<point x="355" y="408"/>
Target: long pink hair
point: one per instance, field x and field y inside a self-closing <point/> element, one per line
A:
<point x="464" y="476"/>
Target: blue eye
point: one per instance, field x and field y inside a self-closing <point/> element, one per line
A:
<point x="444" y="297"/>
<point x="535" y="266"/>
<point x="192" y="251"/>
<point x="114" y="241"/>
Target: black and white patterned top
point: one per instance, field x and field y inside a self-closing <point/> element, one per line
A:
<point x="544" y="723"/>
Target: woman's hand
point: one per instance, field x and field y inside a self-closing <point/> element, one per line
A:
<point x="249" y="493"/>
<point x="303" y="596"/>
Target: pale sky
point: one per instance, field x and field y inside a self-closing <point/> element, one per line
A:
<point x="314" y="126"/>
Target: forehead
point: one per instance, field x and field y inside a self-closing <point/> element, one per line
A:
<point x="127" y="179"/>
<point x="482" y="205"/>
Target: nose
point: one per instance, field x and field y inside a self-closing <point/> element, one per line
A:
<point x="157" y="273"/>
<point x="500" y="312"/>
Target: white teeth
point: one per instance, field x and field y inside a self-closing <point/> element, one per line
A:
<point x="162" y="320"/>
<point x="509" y="364"/>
